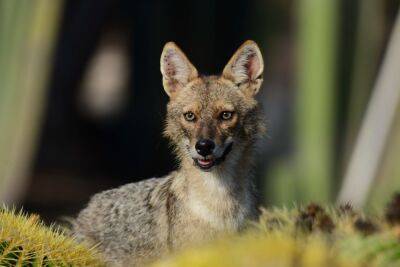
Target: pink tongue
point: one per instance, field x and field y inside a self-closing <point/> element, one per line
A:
<point x="204" y="161"/>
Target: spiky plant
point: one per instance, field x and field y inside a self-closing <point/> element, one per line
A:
<point x="307" y="237"/>
<point x="26" y="241"/>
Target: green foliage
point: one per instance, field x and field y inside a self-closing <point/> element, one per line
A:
<point x="28" y="33"/>
<point x="26" y="241"/>
<point x="308" y="236"/>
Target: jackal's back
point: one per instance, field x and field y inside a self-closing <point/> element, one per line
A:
<point x="127" y="223"/>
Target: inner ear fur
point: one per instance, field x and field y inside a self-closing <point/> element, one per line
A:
<point x="176" y="69"/>
<point x="245" y="68"/>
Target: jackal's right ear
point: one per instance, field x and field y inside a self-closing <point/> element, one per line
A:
<point x="176" y="69"/>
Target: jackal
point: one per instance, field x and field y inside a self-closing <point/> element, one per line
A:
<point x="214" y="123"/>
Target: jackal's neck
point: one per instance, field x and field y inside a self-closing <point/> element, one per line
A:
<point x="222" y="197"/>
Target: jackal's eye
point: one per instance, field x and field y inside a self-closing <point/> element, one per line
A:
<point x="226" y="115"/>
<point x="189" y="116"/>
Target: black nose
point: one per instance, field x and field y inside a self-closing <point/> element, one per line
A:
<point x="205" y="147"/>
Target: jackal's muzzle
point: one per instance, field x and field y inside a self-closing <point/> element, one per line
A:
<point x="209" y="154"/>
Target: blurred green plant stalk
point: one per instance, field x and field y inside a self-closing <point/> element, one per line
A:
<point x="27" y="35"/>
<point x="316" y="98"/>
<point x="308" y="176"/>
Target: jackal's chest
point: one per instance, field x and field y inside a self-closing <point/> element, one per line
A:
<point x="224" y="216"/>
<point x="208" y="206"/>
<point x="198" y="223"/>
<point x="193" y="231"/>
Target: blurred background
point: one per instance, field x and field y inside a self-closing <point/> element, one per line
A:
<point x="82" y="104"/>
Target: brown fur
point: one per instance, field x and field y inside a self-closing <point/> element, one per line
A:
<point x="143" y="221"/>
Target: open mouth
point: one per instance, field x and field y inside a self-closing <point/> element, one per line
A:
<point x="207" y="164"/>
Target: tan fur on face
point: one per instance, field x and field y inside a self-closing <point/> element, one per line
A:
<point x="207" y="97"/>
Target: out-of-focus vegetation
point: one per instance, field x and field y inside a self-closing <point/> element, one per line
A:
<point x="261" y="251"/>
<point x="315" y="169"/>
<point x="301" y="236"/>
<point x="309" y="236"/>
<point x="309" y="175"/>
<point x="376" y="128"/>
<point x="316" y="99"/>
<point x="26" y="241"/>
<point x="388" y="177"/>
<point x="27" y="35"/>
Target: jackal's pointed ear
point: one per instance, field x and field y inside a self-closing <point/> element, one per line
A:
<point x="245" y="68"/>
<point x="176" y="69"/>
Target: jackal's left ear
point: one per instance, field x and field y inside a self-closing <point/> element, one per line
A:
<point x="176" y="69"/>
<point x="245" y="68"/>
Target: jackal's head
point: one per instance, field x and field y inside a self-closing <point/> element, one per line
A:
<point x="213" y="119"/>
